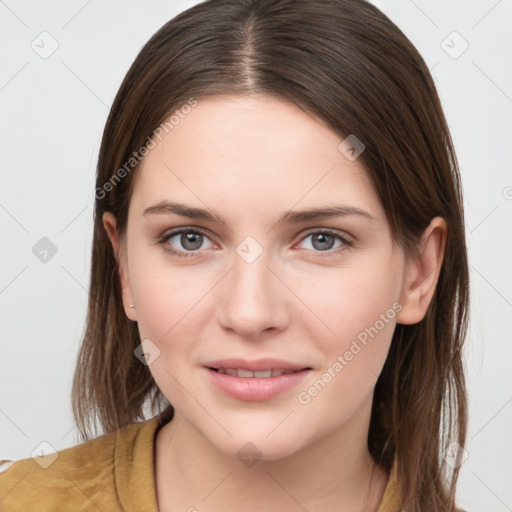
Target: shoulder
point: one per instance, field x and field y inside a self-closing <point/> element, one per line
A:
<point x="80" y="478"/>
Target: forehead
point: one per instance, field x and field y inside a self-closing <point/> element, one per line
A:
<point x="258" y="151"/>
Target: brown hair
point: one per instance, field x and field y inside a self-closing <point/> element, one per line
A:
<point x="347" y="64"/>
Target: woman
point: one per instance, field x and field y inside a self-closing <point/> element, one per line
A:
<point x="279" y="271"/>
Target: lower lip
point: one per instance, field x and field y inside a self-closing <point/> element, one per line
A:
<point x="254" y="389"/>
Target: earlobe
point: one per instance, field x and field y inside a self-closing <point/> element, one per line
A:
<point x="422" y="273"/>
<point x="110" y="225"/>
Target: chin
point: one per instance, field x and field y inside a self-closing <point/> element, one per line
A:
<point x="251" y="446"/>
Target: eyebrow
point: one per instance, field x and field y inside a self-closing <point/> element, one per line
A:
<point x="290" y="217"/>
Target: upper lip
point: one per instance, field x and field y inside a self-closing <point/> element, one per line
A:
<point x="256" y="365"/>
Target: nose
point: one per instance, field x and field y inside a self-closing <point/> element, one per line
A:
<point x="252" y="299"/>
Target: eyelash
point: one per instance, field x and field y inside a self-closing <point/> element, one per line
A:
<point x="347" y="243"/>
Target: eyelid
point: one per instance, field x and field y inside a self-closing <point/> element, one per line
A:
<point x="346" y="237"/>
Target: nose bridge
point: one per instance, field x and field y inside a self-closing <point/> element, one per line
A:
<point x="251" y="277"/>
<point x="252" y="301"/>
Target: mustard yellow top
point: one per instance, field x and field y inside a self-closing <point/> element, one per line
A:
<point x="110" y="473"/>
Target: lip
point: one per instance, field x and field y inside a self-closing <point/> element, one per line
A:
<point x="254" y="389"/>
<point x="263" y="364"/>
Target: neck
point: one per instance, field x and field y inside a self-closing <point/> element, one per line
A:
<point x="335" y="472"/>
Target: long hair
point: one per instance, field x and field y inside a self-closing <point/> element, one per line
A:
<point x="345" y="63"/>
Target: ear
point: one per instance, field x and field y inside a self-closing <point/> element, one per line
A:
<point x="110" y="225"/>
<point x="422" y="273"/>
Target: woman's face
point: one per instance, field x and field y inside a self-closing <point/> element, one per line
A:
<point x="260" y="283"/>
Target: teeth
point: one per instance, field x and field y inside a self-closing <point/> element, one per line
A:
<point x="264" y="374"/>
<point x="245" y="373"/>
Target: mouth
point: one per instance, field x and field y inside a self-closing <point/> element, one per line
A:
<point x="255" y="381"/>
<point x="258" y="368"/>
<point x="261" y="374"/>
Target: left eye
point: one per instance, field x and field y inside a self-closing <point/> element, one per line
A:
<point x="323" y="241"/>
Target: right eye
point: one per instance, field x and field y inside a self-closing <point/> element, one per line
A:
<point x="184" y="242"/>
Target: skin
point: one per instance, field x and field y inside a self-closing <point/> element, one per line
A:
<point x="250" y="159"/>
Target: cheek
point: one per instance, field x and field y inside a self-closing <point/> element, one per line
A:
<point x="349" y="300"/>
<point x="168" y="296"/>
<point x="358" y="309"/>
<point x="166" y="308"/>
<point x="362" y="315"/>
<point x="171" y="313"/>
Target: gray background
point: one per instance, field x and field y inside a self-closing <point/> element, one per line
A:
<point x="52" y="114"/>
